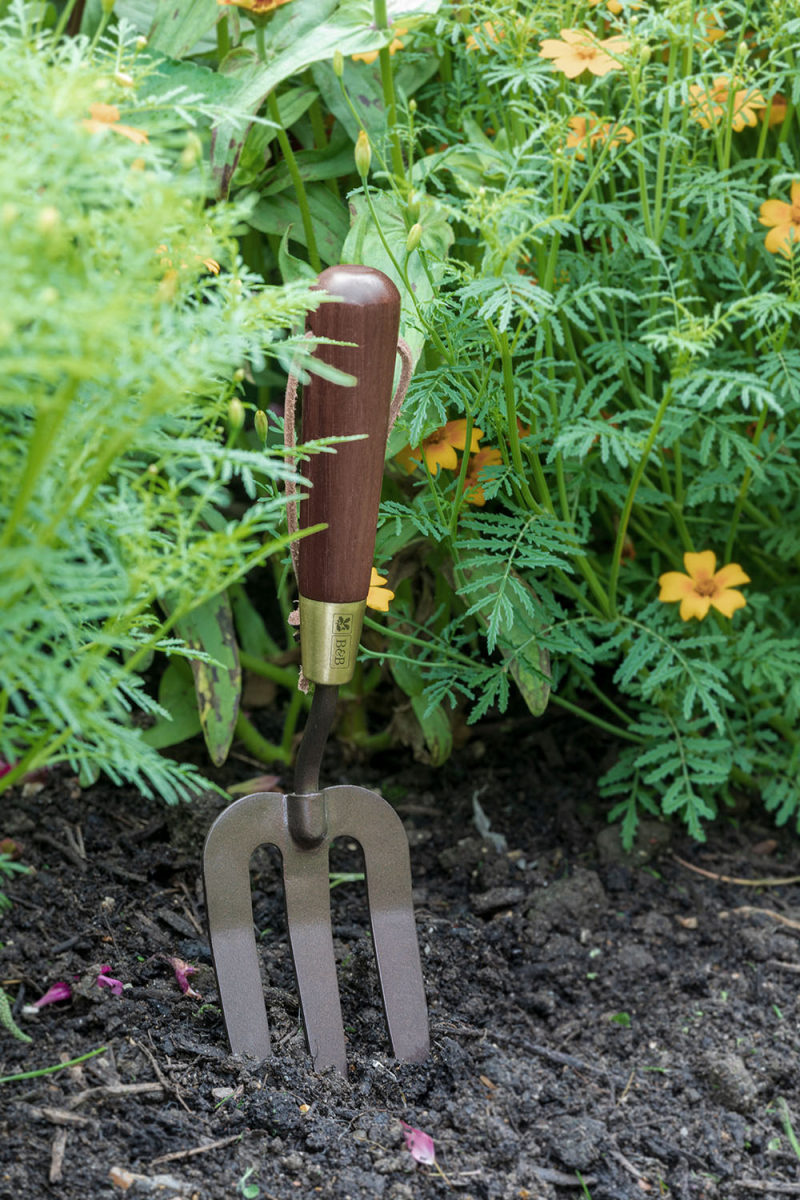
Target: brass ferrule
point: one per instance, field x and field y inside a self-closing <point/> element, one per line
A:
<point x="329" y="637"/>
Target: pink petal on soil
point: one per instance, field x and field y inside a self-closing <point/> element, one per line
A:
<point x="105" y="980"/>
<point x="182" y="972"/>
<point x="419" y="1144"/>
<point x="59" y="991"/>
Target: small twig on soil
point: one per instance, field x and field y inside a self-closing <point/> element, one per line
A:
<point x="68" y="851"/>
<point x="748" y="911"/>
<point x="114" y="1091"/>
<point x="72" y="1062"/>
<point x="560" y="1058"/>
<point x="57" y="1155"/>
<point x="547" y="1175"/>
<point x="758" y="1185"/>
<point x="167" y="1085"/>
<point x="628" y="1165"/>
<point x="792" y="968"/>
<point x="237" y="1137"/>
<point x="59" y="1116"/>
<point x="732" y="878"/>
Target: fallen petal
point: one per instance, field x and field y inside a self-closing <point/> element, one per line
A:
<point x="419" y="1145"/>
<point x="53" y="995"/>
<point x="105" y="980"/>
<point x="182" y="972"/>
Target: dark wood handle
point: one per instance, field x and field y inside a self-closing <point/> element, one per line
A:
<point x="335" y="563"/>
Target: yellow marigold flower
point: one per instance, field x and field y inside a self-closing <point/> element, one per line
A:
<point x="254" y="6"/>
<point x="106" y="116"/>
<point x="785" y="221"/>
<point x="614" y="6"/>
<point x="580" y="51"/>
<point x="378" y="597"/>
<point x="777" y="110"/>
<point x="439" y="449"/>
<point x="370" y="55"/>
<point x="708" y="107"/>
<point x="489" y="31"/>
<point x="588" y="133"/>
<point x="488" y="457"/>
<point x="704" y="587"/>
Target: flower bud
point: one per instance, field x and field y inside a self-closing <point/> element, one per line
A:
<point x="238" y="375"/>
<point x="140" y="44"/>
<point x="645" y="54"/>
<point x="338" y="64"/>
<point x="413" y="205"/>
<point x="107" y="6"/>
<point x="414" y="237"/>
<point x="236" y="413"/>
<point x="49" y="219"/>
<point x="123" y="79"/>
<point x="363" y="154"/>
<point x="412" y="105"/>
<point x="262" y="424"/>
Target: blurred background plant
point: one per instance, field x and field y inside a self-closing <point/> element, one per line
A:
<point x="591" y="213"/>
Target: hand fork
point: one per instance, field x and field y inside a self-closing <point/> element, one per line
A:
<point x="333" y="574"/>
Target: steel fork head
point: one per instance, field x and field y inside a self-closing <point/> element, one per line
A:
<point x="302" y="827"/>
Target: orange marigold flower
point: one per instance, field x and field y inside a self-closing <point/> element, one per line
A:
<point x="580" y="51"/>
<point x="588" y="133"/>
<point x="704" y="587"/>
<point x="254" y="6"/>
<point x="439" y="449"/>
<point x="106" y="116"/>
<point x="614" y="6"/>
<point x="370" y="55"/>
<point x="785" y="221"/>
<point x="708" y="107"/>
<point x="488" y="457"/>
<point x="378" y="597"/>
<point x="777" y="107"/>
<point x="489" y="31"/>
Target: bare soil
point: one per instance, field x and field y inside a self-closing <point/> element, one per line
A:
<point x="602" y="1025"/>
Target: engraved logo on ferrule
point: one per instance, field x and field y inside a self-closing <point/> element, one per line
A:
<point x="341" y="640"/>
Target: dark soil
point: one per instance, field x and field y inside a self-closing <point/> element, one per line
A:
<point x="601" y="1026"/>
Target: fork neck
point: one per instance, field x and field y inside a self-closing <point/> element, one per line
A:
<point x="315" y="736"/>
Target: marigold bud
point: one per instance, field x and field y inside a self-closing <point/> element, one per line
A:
<point x="140" y="43"/>
<point x="414" y="237"/>
<point x="262" y="424"/>
<point x="338" y="64"/>
<point x="238" y="375"/>
<point x="413" y="205"/>
<point x="645" y="54"/>
<point x="123" y="79"/>
<point x="107" y="6"/>
<point x="49" y="219"/>
<point x="412" y="105"/>
<point x="236" y="413"/>
<point x="363" y="154"/>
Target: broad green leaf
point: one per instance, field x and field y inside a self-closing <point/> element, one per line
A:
<point x="407" y="677"/>
<point x="196" y="80"/>
<point x="363" y="82"/>
<point x="335" y="160"/>
<point x="299" y="35"/>
<point x="177" y="695"/>
<point x="435" y="729"/>
<point x="328" y="214"/>
<point x="364" y="246"/>
<point x="178" y="26"/>
<point x="251" y="632"/>
<point x="218" y="685"/>
<point x="292" y="268"/>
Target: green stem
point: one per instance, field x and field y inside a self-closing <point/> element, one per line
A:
<point x="389" y="100"/>
<point x="285" y="676"/>
<point x="740" y="499"/>
<point x="73" y="1062"/>
<point x="598" y="721"/>
<point x="264" y="751"/>
<point x="631" y="496"/>
<point x="298" y="701"/>
<point x="294" y="171"/>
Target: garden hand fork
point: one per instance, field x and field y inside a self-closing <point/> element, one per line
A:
<point x="333" y="575"/>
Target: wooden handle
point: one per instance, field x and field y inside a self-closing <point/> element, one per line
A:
<point x="335" y="563"/>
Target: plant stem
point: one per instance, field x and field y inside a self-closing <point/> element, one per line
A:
<point x="265" y="751"/>
<point x="294" y="171"/>
<point x="389" y="100"/>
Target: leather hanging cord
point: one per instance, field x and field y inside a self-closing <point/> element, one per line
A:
<point x="290" y="443"/>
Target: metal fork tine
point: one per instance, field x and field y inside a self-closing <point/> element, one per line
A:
<point x="308" y="919"/>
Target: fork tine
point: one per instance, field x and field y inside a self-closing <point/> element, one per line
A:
<point x="372" y="822"/>
<point x="308" y="919"/>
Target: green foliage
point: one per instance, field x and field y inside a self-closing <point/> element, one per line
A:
<point x="118" y="345"/>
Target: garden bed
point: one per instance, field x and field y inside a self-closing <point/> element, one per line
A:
<point x="593" y="1018"/>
